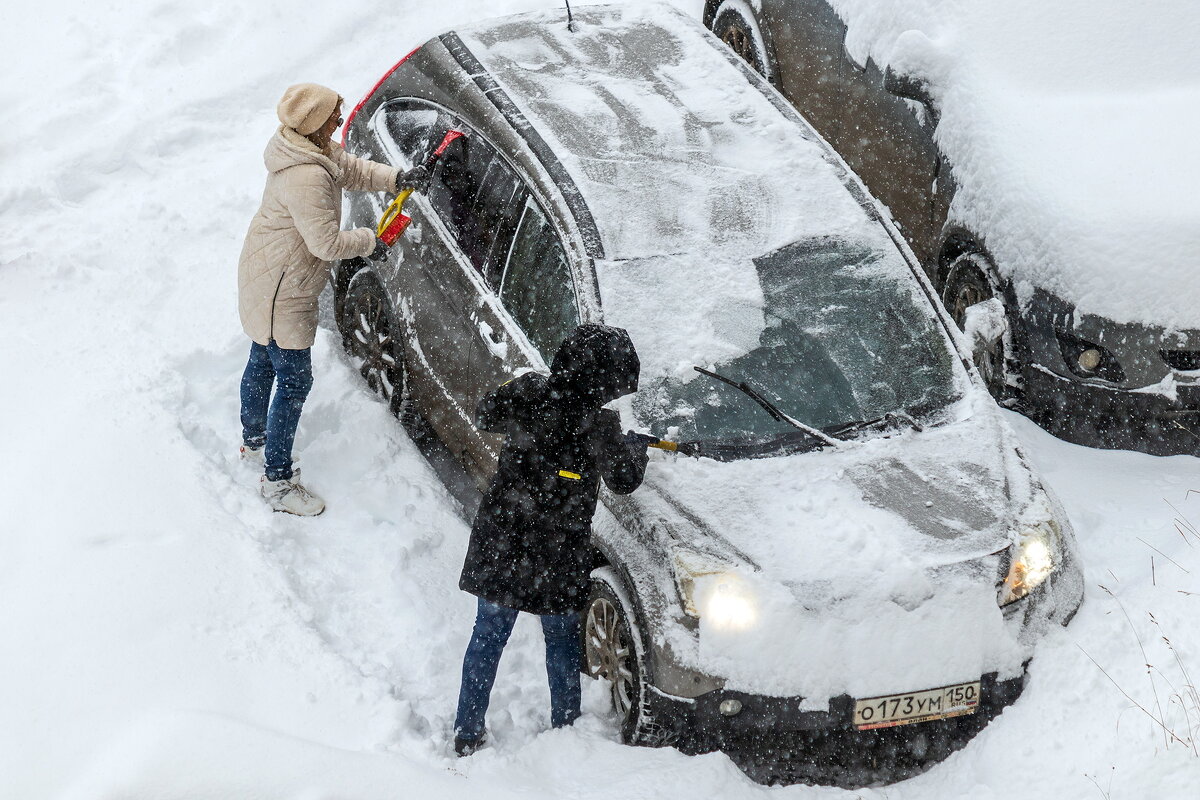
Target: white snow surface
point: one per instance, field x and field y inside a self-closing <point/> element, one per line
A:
<point x="1071" y="128"/>
<point x="165" y="636"/>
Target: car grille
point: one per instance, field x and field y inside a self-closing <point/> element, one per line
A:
<point x="1183" y="360"/>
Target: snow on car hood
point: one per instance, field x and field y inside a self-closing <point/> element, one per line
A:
<point x="1072" y="142"/>
<point x="868" y="514"/>
<point x="670" y="147"/>
<point x="875" y="554"/>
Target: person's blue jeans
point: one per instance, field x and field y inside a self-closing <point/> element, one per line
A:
<point x="274" y="421"/>
<point x="493" y="624"/>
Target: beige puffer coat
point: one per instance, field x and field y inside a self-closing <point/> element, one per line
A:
<point x="297" y="232"/>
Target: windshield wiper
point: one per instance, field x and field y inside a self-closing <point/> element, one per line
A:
<point x="771" y="408"/>
<point x="887" y="420"/>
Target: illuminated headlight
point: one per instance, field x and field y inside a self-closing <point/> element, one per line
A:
<point x="714" y="592"/>
<point x="1035" y="557"/>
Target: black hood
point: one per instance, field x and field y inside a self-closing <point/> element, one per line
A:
<point x="596" y="363"/>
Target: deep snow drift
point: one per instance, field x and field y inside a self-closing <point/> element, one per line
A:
<point x="166" y="636"/>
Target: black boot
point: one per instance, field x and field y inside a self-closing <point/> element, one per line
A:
<point x="466" y="747"/>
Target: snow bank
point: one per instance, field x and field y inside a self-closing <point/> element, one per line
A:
<point x="198" y="756"/>
<point x="1070" y="128"/>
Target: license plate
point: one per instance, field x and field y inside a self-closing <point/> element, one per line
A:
<point x="905" y="709"/>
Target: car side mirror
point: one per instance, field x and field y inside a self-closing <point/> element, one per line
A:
<point x="913" y="89"/>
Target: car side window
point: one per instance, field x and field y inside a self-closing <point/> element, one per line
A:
<point x="537" y="288"/>
<point x="410" y="127"/>
<point x="473" y="190"/>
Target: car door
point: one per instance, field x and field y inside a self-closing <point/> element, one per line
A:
<point x="523" y="322"/>
<point x="885" y="138"/>
<point x="813" y="72"/>
<point x="888" y="140"/>
<point x="439" y="261"/>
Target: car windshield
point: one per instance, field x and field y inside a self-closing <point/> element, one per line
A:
<point x="846" y="338"/>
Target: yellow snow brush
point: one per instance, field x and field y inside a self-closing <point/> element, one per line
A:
<point x="394" y="221"/>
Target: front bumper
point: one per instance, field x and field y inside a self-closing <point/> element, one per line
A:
<point x="1096" y="415"/>
<point x="774" y="741"/>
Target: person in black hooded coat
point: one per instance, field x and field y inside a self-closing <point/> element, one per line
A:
<point x="530" y="547"/>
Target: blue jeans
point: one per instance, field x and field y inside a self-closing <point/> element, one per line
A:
<point x="290" y="371"/>
<point x="493" y="624"/>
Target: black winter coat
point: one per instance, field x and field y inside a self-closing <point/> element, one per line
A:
<point x="530" y="544"/>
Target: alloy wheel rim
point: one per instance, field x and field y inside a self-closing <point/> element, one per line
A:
<point x="608" y="655"/>
<point x="373" y="344"/>
<point x="967" y="296"/>
<point x="740" y="43"/>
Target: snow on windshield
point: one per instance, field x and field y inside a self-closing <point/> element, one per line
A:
<point x="1073" y="142"/>
<point x="843" y="341"/>
<point x="671" y="148"/>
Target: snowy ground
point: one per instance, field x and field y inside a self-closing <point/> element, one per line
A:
<point x="166" y="636"/>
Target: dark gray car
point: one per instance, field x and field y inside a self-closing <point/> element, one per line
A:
<point x="1083" y="375"/>
<point x="855" y="578"/>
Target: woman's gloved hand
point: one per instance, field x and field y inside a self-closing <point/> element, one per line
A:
<point x="380" y="252"/>
<point x="416" y="178"/>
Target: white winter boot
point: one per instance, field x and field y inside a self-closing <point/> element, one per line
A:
<point x="291" y="496"/>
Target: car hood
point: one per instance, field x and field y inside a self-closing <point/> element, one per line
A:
<point x="872" y="512"/>
<point x="872" y="568"/>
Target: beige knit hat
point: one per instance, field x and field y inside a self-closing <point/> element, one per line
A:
<point x="307" y="106"/>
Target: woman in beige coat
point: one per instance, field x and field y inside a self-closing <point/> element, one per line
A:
<point x="284" y="265"/>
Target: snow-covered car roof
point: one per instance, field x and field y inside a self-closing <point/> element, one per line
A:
<point x="1073" y="141"/>
<point x="673" y="151"/>
<point x="690" y="172"/>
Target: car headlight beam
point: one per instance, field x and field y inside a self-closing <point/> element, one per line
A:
<point x="1035" y="558"/>
<point x="726" y="603"/>
<point x="714" y="592"/>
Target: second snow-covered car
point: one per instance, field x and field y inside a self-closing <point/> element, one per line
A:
<point x="1041" y="163"/>
<point x="859" y="565"/>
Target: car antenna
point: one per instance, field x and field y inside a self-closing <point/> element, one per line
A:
<point x="571" y="29"/>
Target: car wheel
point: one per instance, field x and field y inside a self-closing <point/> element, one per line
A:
<point x="968" y="283"/>
<point x="370" y="337"/>
<point x="735" y="24"/>
<point x="340" y="275"/>
<point x="613" y="652"/>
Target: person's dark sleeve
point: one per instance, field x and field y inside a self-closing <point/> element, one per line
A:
<point x="622" y="464"/>
<point x="495" y="410"/>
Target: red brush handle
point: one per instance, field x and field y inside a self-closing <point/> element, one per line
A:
<point x="447" y="140"/>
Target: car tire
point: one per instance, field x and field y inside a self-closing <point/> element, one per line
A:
<point x="370" y="335"/>
<point x="735" y="24"/>
<point x="970" y="280"/>
<point x="340" y="276"/>
<point x="613" y="652"/>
